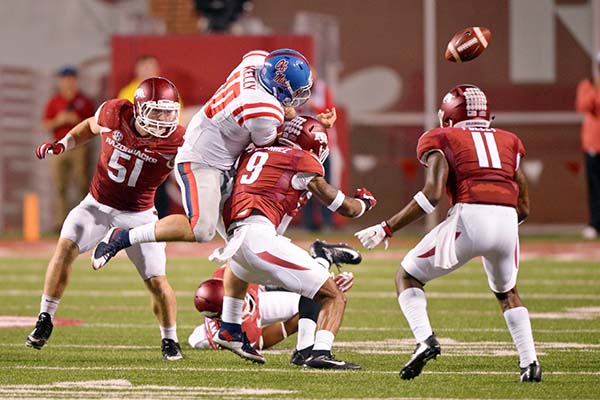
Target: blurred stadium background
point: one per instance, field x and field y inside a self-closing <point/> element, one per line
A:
<point x="383" y="60"/>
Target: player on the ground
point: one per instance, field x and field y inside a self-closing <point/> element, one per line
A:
<point x="139" y="143"/>
<point x="479" y="168"/>
<point x="248" y="108"/>
<point x="268" y="185"/>
<point x="270" y="315"/>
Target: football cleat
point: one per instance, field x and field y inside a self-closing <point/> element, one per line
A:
<point x="40" y="335"/>
<point x="238" y="343"/>
<point x="114" y="241"/>
<point x="425" y="351"/>
<point x="531" y="373"/>
<point x="299" y="357"/>
<point x="328" y="361"/>
<point x="335" y="253"/>
<point x="171" y="350"/>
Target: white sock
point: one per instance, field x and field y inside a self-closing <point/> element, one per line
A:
<point x="232" y="310"/>
<point x="49" y="305"/>
<point x="323" y="263"/>
<point x="142" y="234"/>
<point x="323" y="340"/>
<point x="169" y="333"/>
<point x="414" y="306"/>
<point x="519" y="326"/>
<point x="306" y="333"/>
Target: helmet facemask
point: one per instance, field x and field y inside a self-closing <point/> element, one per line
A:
<point x="158" y="118"/>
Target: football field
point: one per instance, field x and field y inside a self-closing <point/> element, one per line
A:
<point x="106" y="344"/>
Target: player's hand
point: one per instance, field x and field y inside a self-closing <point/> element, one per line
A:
<point x="372" y="236"/>
<point x="366" y="196"/>
<point x="49" y="148"/>
<point x="344" y="281"/>
<point x="327" y="118"/>
<point x="304" y="198"/>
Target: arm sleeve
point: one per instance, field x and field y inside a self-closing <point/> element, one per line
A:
<point x="428" y="142"/>
<point x="102" y="119"/>
<point x="263" y="130"/>
<point x="301" y="180"/>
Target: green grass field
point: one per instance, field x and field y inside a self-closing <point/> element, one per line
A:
<point x="116" y="352"/>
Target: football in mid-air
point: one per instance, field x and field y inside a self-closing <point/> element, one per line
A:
<point x="468" y="44"/>
<point x="208" y="298"/>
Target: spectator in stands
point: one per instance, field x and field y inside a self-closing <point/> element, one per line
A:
<point x="147" y="66"/>
<point x="588" y="103"/>
<point x="316" y="216"/>
<point x="63" y="111"/>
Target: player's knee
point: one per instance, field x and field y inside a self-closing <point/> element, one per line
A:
<point x="158" y="285"/>
<point x="204" y="232"/>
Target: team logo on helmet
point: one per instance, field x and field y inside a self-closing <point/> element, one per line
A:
<point x="280" y="68"/>
<point x="139" y="92"/>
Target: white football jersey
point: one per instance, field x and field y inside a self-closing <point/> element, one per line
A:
<point x="239" y="113"/>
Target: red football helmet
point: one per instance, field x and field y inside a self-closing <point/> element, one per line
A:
<point x="306" y="133"/>
<point x="156" y="106"/>
<point x="208" y="298"/>
<point x="464" y="103"/>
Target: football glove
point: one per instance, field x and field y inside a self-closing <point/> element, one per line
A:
<point x="366" y="196"/>
<point x="344" y="281"/>
<point x="372" y="236"/>
<point x="47" y="147"/>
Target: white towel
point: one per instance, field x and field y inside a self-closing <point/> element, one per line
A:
<point x="445" y="241"/>
<point x="223" y="254"/>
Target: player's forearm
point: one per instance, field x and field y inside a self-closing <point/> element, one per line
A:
<point x="410" y="213"/>
<point x="523" y="199"/>
<point x="80" y="134"/>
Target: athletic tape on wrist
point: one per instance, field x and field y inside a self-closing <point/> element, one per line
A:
<point x="424" y="202"/>
<point x="68" y="141"/>
<point x="363" y="204"/>
<point x="337" y="202"/>
<point x="386" y="229"/>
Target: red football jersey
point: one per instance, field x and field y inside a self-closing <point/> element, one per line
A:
<point x="251" y="324"/>
<point x="130" y="167"/>
<point x="482" y="163"/>
<point x="264" y="182"/>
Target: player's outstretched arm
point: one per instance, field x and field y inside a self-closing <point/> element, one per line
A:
<point x="423" y="202"/>
<point x="523" y="200"/>
<point x="337" y="201"/>
<point x="80" y="134"/>
<point x="327" y="118"/>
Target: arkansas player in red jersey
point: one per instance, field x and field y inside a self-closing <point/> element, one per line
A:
<point x="268" y="185"/>
<point x="139" y="144"/>
<point x="270" y="315"/>
<point x="479" y="167"/>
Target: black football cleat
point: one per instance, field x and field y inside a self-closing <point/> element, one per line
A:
<point x="328" y="361"/>
<point x="239" y="344"/>
<point x="171" y="350"/>
<point x="114" y="241"/>
<point x="531" y="373"/>
<point x="40" y="335"/>
<point x="425" y="351"/>
<point x="335" y="253"/>
<point x="299" y="357"/>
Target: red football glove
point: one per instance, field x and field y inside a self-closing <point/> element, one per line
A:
<point x="304" y="198"/>
<point x="344" y="281"/>
<point x="47" y="147"/>
<point x="366" y="196"/>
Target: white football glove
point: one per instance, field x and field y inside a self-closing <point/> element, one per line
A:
<point x="371" y="237"/>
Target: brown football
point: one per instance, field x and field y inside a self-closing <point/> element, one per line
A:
<point x="468" y="44"/>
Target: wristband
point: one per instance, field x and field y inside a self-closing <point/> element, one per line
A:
<point x="337" y="202"/>
<point x="424" y="202"/>
<point x="68" y="141"/>
<point x="363" y="204"/>
<point x="386" y="229"/>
